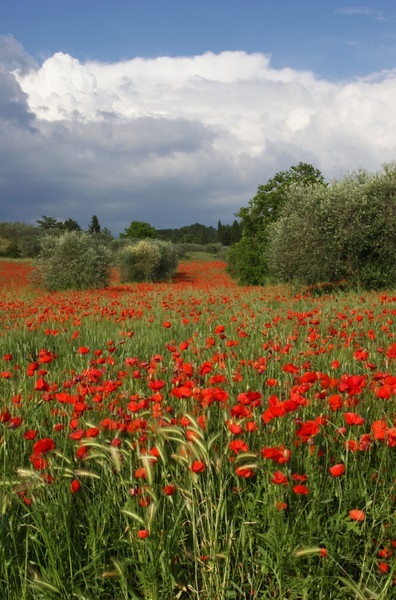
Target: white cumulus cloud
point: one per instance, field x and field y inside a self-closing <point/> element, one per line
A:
<point x="174" y="140"/>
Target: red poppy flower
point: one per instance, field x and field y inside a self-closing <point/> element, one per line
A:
<point x="353" y="419"/>
<point x="77" y="435"/>
<point x="92" y="432"/>
<point x="300" y="490"/>
<point x="14" y="422"/>
<point x="83" y="350"/>
<point x="251" y="426"/>
<point x="279" y="478"/>
<point x="290" y="368"/>
<point x="337" y="470"/>
<point x="271" y="382"/>
<point x="198" y="466"/>
<point x="308" y="429"/>
<point x="351" y="445"/>
<point x="383" y="567"/>
<point x="5" y="416"/>
<point x="143" y="533"/>
<point x="42" y="446"/>
<point x="379" y="429"/>
<point x="38" y="462"/>
<point x="384" y="392"/>
<point x="299" y="477"/>
<point x="391" y="437"/>
<point x="238" y="446"/>
<point x="82" y="452"/>
<point x="41" y="385"/>
<point x="352" y="384"/>
<point x="335" y="402"/>
<point x="141" y="473"/>
<point x="75" y="486"/>
<point x="278" y="454"/>
<point x="252" y="398"/>
<point x="156" y="385"/>
<point x="357" y="515"/>
<point x="391" y="351"/>
<point x="192" y="435"/>
<point x="245" y="472"/>
<point x="235" y="428"/>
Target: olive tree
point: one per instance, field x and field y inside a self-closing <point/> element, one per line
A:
<point x="148" y="260"/>
<point x="73" y="260"/>
<point x="346" y="231"/>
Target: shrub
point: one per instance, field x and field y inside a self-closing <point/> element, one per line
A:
<point x="73" y="260"/>
<point x="167" y="265"/>
<point x="186" y="249"/>
<point x="346" y="231"/>
<point x="148" y="260"/>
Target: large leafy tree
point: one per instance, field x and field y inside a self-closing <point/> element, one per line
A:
<point x="343" y="232"/>
<point x="248" y="258"/>
<point x="139" y="230"/>
<point x="71" y="225"/>
<point x="49" y="223"/>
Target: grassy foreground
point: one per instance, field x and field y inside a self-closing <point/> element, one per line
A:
<point x="196" y="440"/>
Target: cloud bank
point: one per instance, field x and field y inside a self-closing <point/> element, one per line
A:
<point x="174" y="140"/>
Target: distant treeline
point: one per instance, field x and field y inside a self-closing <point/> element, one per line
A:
<point x="202" y="234"/>
<point x="20" y="240"/>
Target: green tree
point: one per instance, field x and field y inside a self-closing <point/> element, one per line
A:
<point x="71" y="225"/>
<point x="248" y="258"/>
<point x="73" y="260"/>
<point x="94" y="226"/>
<point x="25" y="236"/>
<point x="148" y="260"/>
<point x="13" y="250"/>
<point x="139" y="230"/>
<point x="220" y="236"/>
<point x="224" y="234"/>
<point x="345" y="231"/>
<point x="49" y="223"/>
<point x="235" y="234"/>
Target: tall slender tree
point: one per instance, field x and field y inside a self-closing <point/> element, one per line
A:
<point x="94" y="226"/>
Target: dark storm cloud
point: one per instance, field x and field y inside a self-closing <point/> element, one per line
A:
<point x="174" y="141"/>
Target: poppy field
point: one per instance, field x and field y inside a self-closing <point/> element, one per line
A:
<point x="196" y="440"/>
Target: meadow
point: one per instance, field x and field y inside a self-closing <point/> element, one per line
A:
<point x="196" y="440"/>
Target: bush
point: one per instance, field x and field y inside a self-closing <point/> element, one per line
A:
<point x="73" y="260"/>
<point x="186" y="249"/>
<point x="167" y="265"/>
<point x="346" y="231"/>
<point x="148" y="260"/>
<point x="246" y="264"/>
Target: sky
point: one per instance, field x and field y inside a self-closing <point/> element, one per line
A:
<point x="173" y="112"/>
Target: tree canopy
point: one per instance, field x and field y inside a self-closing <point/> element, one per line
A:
<point x="94" y="226"/>
<point x="248" y="257"/>
<point x="139" y="230"/>
<point x="343" y="233"/>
